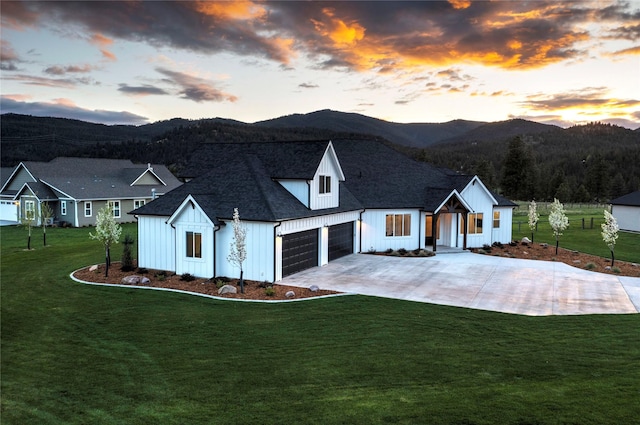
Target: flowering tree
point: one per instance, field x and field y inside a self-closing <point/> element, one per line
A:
<point x="558" y="220"/>
<point x="107" y="231"/>
<point x="238" y="248"/>
<point x="46" y="213"/>
<point x="28" y="220"/>
<point x="610" y="232"/>
<point x="533" y="217"/>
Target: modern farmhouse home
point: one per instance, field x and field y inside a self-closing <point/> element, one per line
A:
<point x="305" y="204"/>
<point x="626" y="210"/>
<point x="76" y="188"/>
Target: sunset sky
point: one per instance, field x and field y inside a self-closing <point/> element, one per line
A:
<point x="136" y="62"/>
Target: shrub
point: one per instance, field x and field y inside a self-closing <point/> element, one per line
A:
<point x="127" y="258"/>
<point x="590" y="266"/>
<point x="616" y="270"/>
<point x="142" y="270"/>
<point x="372" y="250"/>
<point x="402" y="251"/>
<point x="264" y="284"/>
<point x="219" y="283"/>
<point x="498" y="245"/>
<point x="187" y="277"/>
<point x="269" y="291"/>
<point x="388" y="251"/>
<point x="482" y="251"/>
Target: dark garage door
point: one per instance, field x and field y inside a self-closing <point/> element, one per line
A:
<point x="299" y="251"/>
<point x="340" y="240"/>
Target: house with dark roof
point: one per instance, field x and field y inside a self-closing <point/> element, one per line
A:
<point x="305" y="204"/>
<point x="76" y="188"/>
<point x="626" y="210"/>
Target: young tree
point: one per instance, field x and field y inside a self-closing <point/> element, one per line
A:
<point x="28" y="220"/>
<point x="610" y="232"/>
<point x="238" y="248"/>
<point x="127" y="256"/>
<point x="533" y="217"/>
<point x="107" y="231"/>
<point x="558" y="221"/>
<point x="46" y="213"/>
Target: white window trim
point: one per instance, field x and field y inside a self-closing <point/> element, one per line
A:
<point x="322" y="185"/>
<point x="137" y="203"/>
<point x="90" y="208"/>
<point x="114" y="210"/>
<point x="193" y="250"/>
<point x="496" y="219"/>
<point x="404" y="227"/>
<point x="63" y="207"/>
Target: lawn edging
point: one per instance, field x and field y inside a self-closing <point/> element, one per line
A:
<point x="180" y="291"/>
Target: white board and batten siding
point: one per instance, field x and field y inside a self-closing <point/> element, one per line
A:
<point x="260" y="244"/>
<point x="373" y="231"/>
<point x="327" y="167"/>
<point x="156" y="244"/>
<point x="502" y="234"/>
<point x="627" y="216"/>
<point x="480" y="200"/>
<point x="298" y="188"/>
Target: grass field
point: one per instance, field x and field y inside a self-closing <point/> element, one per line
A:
<point x="76" y="354"/>
<point x="588" y="240"/>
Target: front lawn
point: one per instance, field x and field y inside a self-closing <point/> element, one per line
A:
<point x="76" y="354"/>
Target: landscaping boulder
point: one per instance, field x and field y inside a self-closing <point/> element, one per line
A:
<point x="290" y="294"/>
<point x="526" y="240"/>
<point x="145" y="281"/>
<point x="93" y="268"/>
<point x="314" y="288"/>
<point x="227" y="289"/>
<point x="131" y="280"/>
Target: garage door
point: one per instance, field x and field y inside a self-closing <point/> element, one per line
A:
<point x="8" y="211"/>
<point x="340" y="240"/>
<point x="299" y="251"/>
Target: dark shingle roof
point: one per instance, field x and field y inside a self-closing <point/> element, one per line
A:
<point x="243" y="176"/>
<point x="97" y="178"/>
<point x="631" y="199"/>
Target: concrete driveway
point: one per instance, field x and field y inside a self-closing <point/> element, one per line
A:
<point x="528" y="287"/>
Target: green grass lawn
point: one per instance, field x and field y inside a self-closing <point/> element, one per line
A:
<point x="588" y="240"/>
<point x="77" y="354"/>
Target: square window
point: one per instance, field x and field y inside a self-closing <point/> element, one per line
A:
<point x="194" y="245"/>
<point x="138" y="203"/>
<point x="398" y="225"/>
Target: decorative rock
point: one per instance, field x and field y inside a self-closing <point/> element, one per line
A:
<point x="314" y="288"/>
<point x="227" y="289"/>
<point x="635" y="264"/>
<point x="93" y="268"/>
<point x="131" y="280"/>
<point x="576" y="261"/>
<point x="544" y="245"/>
<point x="290" y="294"/>
<point x="145" y="280"/>
<point x="526" y="240"/>
<point x="607" y="268"/>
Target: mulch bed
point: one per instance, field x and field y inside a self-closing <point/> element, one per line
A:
<point x="252" y="290"/>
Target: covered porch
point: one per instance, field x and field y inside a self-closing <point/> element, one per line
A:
<point x="445" y="227"/>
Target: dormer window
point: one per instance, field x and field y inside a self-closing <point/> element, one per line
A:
<point x="325" y="184"/>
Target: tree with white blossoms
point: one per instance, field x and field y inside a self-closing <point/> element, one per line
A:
<point x="238" y="249"/>
<point x="108" y="232"/>
<point x="533" y="217"/>
<point x="558" y="220"/>
<point x="610" y="232"/>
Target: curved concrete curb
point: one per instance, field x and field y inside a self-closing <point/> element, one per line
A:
<point x="180" y="291"/>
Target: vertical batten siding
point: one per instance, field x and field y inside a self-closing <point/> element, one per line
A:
<point x="327" y="167"/>
<point x="194" y="220"/>
<point x="503" y="233"/>
<point x="373" y="231"/>
<point x="260" y="261"/>
<point x="628" y="217"/>
<point x="19" y="179"/>
<point x="480" y="201"/>
<point x="298" y="188"/>
<point x="156" y="244"/>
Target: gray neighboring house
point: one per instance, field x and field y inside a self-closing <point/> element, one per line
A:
<point x="76" y="188"/>
<point x="626" y="210"/>
<point x="8" y="207"/>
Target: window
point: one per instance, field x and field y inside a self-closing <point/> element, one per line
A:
<point x="496" y="219"/>
<point x="325" y="184"/>
<point x="29" y="209"/>
<point x="475" y="223"/>
<point x="63" y="207"/>
<point x="137" y="203"/>
<point x="398" y="225"/>
<point x="115" y="207"/>
<point x="194" y="245"/>
<point x="87" y="209"/>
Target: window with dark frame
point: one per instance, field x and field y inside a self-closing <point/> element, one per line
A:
<point x="325" y="184"/>
<point x="87" y="209"/>
<point x="194" y="245"/>
<point x="398" y="225"/>
<point x="475" y="223"/>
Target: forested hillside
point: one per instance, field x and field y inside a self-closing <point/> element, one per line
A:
<point x="578" y="164"/>
<point x="520" y="159"/>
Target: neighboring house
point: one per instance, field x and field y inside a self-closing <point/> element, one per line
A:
<point x="8" y="207"/>
<point x="307" y="203"/>
<point x="76" y="188"/>
<point x="626" y="210"/>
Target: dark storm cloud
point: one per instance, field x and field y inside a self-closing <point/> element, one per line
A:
<point x="195" y="88"/>
<point x="45" y="109"/>
<point x="358" y="35"/>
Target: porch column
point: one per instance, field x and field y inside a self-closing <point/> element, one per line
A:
<point x="434" y="223"/>
<point x="466" y="227"/>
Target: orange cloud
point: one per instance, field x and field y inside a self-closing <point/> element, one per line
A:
<point x="235" y="10"/>
<point x="102" y="42"/>
<point x="460" y="4"/>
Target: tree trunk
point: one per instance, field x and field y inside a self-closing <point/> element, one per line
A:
<point x="612" y="258"/>
<point x="44" y="236"/>
<point x="107" y="262"/>
<point x="241" y="282"/>
<point x="557" y="243"/>
<point x="29" y="243"/>
<point x="532" y="237"/>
